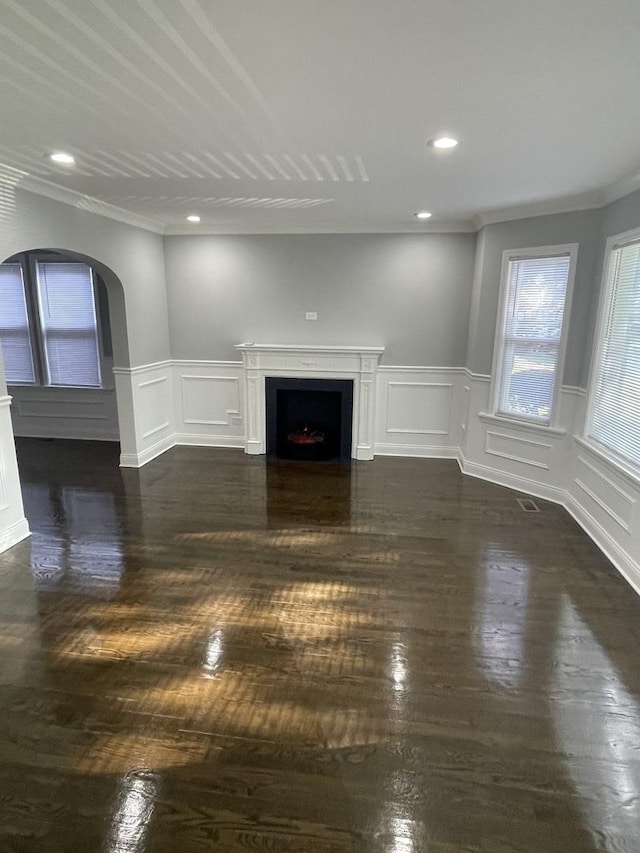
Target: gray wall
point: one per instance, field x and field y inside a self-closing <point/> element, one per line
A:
<point x="126" y="255"/>
<point x="407" y="292"/>
<point x="582" y="227"/>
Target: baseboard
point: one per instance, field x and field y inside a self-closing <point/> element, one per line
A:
<point x="623" y="562"/>
<point x="423" y="451"/>
<point x="137" y="460"/>
<point x="190" y="439"/>
<point x="510" y="481"/>
<point x="110" y="435"/>
<point x="14" y="534"/>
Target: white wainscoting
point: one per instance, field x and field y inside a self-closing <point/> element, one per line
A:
<point x="605" y="501"/>
<point x="84" y="413"/>
<point x="557" y="465"/>
<point x="526" y="457"/>
<point x="207" y="403"/>
<point x="145" y="412"/>
<point x="418" y="411"/>
<point x="13" y="524"/>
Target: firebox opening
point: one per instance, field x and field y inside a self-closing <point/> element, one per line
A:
<point x="309" y="419"/>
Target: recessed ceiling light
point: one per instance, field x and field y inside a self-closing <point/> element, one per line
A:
<point x="62" y="157"/>
<point x="423" y="214"/>
<point x="443" y="142"/>
<point x="193" y="218"/>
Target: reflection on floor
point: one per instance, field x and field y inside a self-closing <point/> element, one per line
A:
<point x="220" y="653"/>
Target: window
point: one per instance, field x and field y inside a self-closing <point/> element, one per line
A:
<point x="613" y="418"/>
<point x="48" y="322"/>
<point x="536" y="289"/>
<point x="15" y="333"/>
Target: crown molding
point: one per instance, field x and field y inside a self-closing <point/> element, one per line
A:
<point x="565" y="204"/>
<point x="619" y="189"/>
<point x="449" y="227"/>
<point x="40" y="186"/>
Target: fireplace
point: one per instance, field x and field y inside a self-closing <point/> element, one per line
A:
<point x="309" y="419"/>
<point x="355" y="364"/>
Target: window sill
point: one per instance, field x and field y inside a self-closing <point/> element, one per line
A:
<point x="512" y="423"/>
<point x="624" y="469"/>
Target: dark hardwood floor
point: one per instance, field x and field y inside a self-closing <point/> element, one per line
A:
<point x="219" y="653"/>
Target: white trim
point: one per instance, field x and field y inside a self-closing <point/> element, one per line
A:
<point x="188" y="440"/>
<point x="453" y="226"/>
<point x="206" y="378"/>
<point x="477" y="377"/>
<point x="623" y="562"/>
<point x="320" y="349"/>
<point x="589" y="200"/>
<point x="565" y="204"/>
<point x="607" y="458"/>
<point x="597" y="500"/>
<point x="305" y="361"/>
<point x="619" y="189"/>
<point x="511" y="481"/>
<point x="142" y="368"/>
<point x="13" y="534"/>
<point x="616" y="241"/>
<point x="155" y="381"/>
<point x="422" y="451"/>
<point x="60" y="415"/>
<point x="412" y="368"/>
<point x="509" y="255"/>
<point x="609" y="482"/>
<point x="510" y="423"/>
<point x="137" y="460"/>
<point x="521" y="459"/>
<point x="399" y="430"/>
<point x="87" y="203"/>
<point x="156" y="429"/>
<point x="201" y="362"/>
<point x="66" y="434"/>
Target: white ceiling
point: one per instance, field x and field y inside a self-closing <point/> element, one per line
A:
<point x="312" y="115"/>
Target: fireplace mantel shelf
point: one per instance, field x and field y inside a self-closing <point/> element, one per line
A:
<point x="316" y="348"/>
<point x="358" y="363"/>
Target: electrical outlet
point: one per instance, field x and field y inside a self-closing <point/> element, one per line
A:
<point x="311" y="315"/>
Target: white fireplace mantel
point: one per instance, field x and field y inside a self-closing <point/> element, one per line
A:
<point x="310" y="362"/>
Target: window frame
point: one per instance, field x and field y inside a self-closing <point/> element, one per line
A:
<point x="29" y="262"/>
<point x="569" y="250"/>
<point x="31" y="335"/>
<point x="622" y="463"/>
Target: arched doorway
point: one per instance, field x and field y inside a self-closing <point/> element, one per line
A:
<point x="47" y="405"/>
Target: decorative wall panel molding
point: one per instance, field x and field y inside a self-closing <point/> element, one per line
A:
<point x="398" y="410"/>
<point x="419" y="408"/>
<point x="76" y="413"/>
<point x="514" y="447"/>
<point x="615" y="501"/>
<point x="418" y="411"/>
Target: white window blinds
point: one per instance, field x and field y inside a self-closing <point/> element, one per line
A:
<point x="531" y="335"/>
<point x="614" y="403"/>
<point x="68" y="320"/>
<point x="14" y="327"/>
